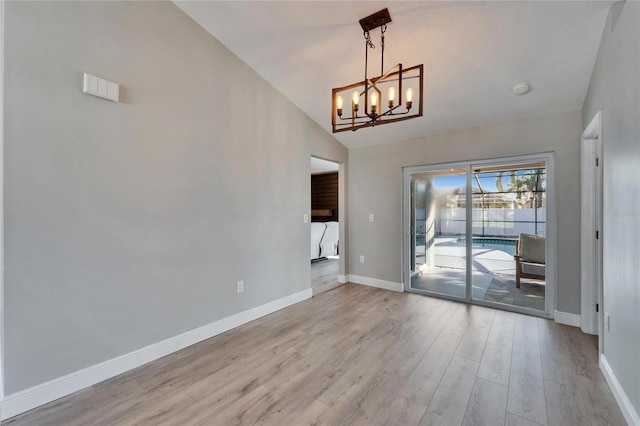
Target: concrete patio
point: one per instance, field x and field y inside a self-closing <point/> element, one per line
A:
<point x="493" y="275"/>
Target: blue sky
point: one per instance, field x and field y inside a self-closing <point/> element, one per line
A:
<point x="488" y="182"/>
<point x="450" y="181"/>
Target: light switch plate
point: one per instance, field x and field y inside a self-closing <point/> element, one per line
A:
<point x="101" y="88"/>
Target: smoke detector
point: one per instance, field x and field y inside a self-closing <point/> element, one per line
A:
<point x="520" y="88"/>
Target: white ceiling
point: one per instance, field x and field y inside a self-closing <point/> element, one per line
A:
<point x="473" y="52"/>
<point x="319" y="165"/>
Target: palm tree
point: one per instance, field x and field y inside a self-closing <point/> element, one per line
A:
<point x="499" y="183"/>
<point x="526" y="186"/>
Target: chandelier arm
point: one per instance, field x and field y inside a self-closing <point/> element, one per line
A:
<point x="369" y="118"/>
<point x="358" y="119"/>
<point x="355" y="122"/>
<point x="390" y="111"/>
<point x="365" y="117"/>
<point x="389" y="114"/>
<point x="394" y="70"/>
<point x="343" y="127"/>
<point x="355" y="117"/>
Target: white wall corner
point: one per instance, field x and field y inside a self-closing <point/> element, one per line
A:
<point x="628" y="411"/>
<point x="374" y="282"/>
<point x="28" y="399"/>
<point x="2" y="375"/>
<point x="567" y="318"/>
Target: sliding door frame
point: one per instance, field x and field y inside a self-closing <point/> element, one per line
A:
<point x="407" y="226"/>
<point x="550" y="247"/>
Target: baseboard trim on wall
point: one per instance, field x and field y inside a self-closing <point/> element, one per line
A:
<point x="342" y="279"/>
<point x="567" y="318"/>
<point x="628" y="411"/>
<point x="374" y="282"/>
<point x="28" y="399"/>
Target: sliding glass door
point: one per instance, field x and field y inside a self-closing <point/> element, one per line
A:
<point x="479" y="231"/>
<point x="439" y="228"/>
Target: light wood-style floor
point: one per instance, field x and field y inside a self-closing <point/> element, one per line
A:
<point x="361" y="356"/>
<point x="324" y="275"/>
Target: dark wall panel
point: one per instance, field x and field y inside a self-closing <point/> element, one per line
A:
<point x="324" y="196"/>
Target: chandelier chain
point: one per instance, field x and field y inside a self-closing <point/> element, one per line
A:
<point x="367" y="38"/>
<point x="383" y="28"/>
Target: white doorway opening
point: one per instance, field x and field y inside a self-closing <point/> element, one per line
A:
<point x="326" y="225"/>
<point x="591" y="229"/>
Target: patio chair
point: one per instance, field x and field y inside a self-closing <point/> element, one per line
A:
<point x="529" y="257"/>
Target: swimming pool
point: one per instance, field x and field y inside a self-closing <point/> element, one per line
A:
<point x="504" y="244"/>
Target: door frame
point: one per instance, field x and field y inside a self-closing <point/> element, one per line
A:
<point x="550" y="248"/>
<point x="342" y="216"/>
<point x="2" y="31"/>
<point x="592" y="215"/>
<point x="407" y="226"/>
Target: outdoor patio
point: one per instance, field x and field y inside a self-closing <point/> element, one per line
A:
<point x="493" y="275"/>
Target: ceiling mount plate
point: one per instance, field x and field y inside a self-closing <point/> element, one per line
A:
<point x="376" y="20"/>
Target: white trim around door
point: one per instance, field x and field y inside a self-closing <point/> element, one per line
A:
<point x="2" y="30"/>
<point x="591" y="227"/>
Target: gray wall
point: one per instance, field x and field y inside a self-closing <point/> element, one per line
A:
<point x="376" y="187"/>
<point x="129" y="223"/>
<point x="615" y="88"/>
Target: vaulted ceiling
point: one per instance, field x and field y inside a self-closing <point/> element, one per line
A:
<point x="473" y="52"/>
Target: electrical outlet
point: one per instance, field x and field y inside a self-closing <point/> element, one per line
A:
<point x="305" y="218"/>
<point x="240" y="286"/>
<point x="361" y="259"/>
<point x="370" y="217"/>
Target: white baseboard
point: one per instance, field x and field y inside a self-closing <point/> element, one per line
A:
<point x="343" y="279"/>
<point x="629" y="412"/>
<point x="567" y="318"/>
<point x="374" y="282"/>
<point x="33" y="397"/>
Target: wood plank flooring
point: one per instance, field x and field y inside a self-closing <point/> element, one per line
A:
<point x="324" y="275"/>
<point x="357" y="355"/>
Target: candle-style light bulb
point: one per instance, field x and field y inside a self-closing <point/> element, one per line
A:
<point x="356" y="99"/>
<point x="392" y="96"/>
<point x="339" y="105"/>
<point x="374" y="101"/>
<point x="409" y="95"/>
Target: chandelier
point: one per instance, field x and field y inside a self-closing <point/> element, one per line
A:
<point x="368" y="93"/>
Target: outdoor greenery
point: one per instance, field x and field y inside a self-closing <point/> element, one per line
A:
<point x="527" y="185"/>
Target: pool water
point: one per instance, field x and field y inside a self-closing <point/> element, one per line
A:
<point x="503" y="244"/>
